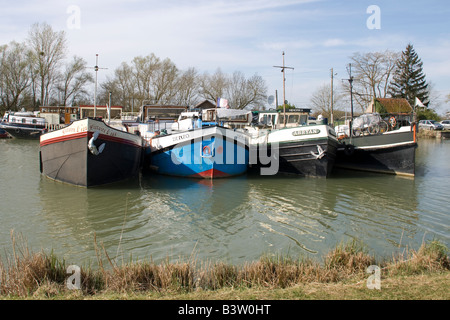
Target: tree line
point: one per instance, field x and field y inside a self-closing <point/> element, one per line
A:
<point x="374" y="75"/>
<point x="151" y="80"/>
<point x="36" y="73"/>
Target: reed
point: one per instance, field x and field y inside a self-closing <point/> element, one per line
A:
<point x="41" y="275"/>
<point x="430" y="257"/>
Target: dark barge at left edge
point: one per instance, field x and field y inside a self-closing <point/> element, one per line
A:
<point x="90" y="153"/>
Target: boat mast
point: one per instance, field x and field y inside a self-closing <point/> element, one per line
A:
<point x="96" y="68"/>
<point x="283" y="67"/>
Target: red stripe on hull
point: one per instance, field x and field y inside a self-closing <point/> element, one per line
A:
<point x="211" y="173"/>
<point x="64" y="138"/>
<point x="89" y="135"/>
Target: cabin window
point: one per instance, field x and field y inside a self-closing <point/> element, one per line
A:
<point x="268" y="119"/>
<point x="209" y="115"/>
<point x="272" y="120"/>
<point x="264" y="119"/>
<point x="13" y="119"/>
<point x="293" y="118"/>
<point x="303" y="119"/>
<point x="23" y="120"/>
<point x="34" y="121"/>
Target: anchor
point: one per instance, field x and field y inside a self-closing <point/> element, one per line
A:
<point x="321" y="153"/>
<point x="92" y="147"/>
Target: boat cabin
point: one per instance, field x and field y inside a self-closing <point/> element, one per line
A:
<point x="56" y="115"/>
<point x="87" y="111"/>
<point x="276" y="118"/>
<point x="23" y="118"/>
<point x="395" y="111"/>
<point x="161" y="112"/>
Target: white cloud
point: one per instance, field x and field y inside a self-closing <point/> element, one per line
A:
<point x="334" y="42"/>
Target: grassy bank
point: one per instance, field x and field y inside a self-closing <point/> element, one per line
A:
<point x="416" y="274"/>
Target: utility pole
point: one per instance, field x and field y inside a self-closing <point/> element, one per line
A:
<point x="96" y="68"/>
<point x="332" y="97"/>
<point x="283" y="68"/>
<point x="350" y="80"/>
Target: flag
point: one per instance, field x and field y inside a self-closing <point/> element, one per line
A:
<point x="222" y="103"/>
<point x="419" y="103"/>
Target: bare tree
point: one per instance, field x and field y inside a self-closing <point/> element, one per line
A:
<point x="14" y="74"/>
<point x="239" y="91"/>
<point x="149" y="79"/>
<point x="372" y="73"/>
<point x="144" y="73"/>
<point x="213" y="86"/>
<point x="188" y="87"/>
<point x="122" y="86"/>
<point x="73" y="80"/>
<point x="164" y="86"/>
<point x="246" y="92"/>
<point x="321" y="100"/>
<point x="48" y="50"/>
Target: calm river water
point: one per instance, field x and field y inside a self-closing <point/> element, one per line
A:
<point x="231" y="220"/>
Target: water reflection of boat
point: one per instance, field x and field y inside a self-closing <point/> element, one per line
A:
<point x="90" y="153"/>
<point x="372" y="147"/>
<point x="4" y="134"/>
<point x="75" y="218"/>
<point x="23" y="125"/>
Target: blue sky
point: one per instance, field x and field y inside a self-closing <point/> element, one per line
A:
<point x="247" y="36"/>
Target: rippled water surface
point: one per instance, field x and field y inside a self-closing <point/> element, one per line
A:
<point x="232" y="220"/>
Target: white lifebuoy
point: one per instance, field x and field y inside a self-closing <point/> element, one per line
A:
<point x="208" y="150"/>
<point x="393" y="121"/>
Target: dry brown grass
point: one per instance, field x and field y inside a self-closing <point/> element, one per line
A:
<point x="44" y="276"/>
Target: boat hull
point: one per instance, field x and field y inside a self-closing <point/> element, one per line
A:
<point x="24" y="132"/>
<point x="392" y="153"/>
<point x="3" y="134"/>
<point x="208" y="153"/>
<point x="301" y="158"/>
<point x="308" y="151"/>
<point x="65" y="154"/>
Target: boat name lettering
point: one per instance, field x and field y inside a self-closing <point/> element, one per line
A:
<point x="305" y="132"/>
<point x="181" y="137"/>
<point x="102" y="129"/>
<point x="75" y="129"/>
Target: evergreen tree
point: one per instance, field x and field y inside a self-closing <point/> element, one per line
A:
<point x="409" y="80"/>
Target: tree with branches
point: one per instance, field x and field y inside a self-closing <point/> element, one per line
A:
<point x="48" y="50"/>
<point x="372" y="73"/>
<point x="14" y="75"/>
<point x="409" y="80"/>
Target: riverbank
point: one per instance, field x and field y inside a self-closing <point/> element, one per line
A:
<point x="433" y="134"/>
<point x="420" y="274"/>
